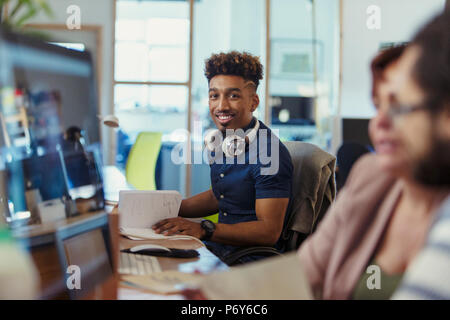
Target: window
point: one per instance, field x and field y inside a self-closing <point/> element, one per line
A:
<point x="151" y="88"/>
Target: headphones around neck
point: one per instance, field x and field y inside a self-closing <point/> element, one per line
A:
<point x="233" y="145"/>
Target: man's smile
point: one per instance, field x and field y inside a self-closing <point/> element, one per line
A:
<point x="224" y="118"/>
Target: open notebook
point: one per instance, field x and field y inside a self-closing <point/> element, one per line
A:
<point x="149" y="234"/>
<point x="139" y="210"/>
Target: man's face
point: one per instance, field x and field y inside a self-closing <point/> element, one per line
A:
<point x="426" y="135"/>
<point x="232" y="101"/>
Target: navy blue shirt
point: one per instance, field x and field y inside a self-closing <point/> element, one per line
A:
<point x="236" y="183"/>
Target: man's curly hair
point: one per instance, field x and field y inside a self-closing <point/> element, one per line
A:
<point x="234" y="63"/>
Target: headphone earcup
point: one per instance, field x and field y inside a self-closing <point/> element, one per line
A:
<point x="231" y="148"/>
<point x="229" y="144"/>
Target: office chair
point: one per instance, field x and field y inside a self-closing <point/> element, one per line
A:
<point x="313" y="191"/>
<point x="141" y="163"/>
<point x="213" y="218"/>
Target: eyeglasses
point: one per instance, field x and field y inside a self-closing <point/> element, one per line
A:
<point x="396" y="111"/>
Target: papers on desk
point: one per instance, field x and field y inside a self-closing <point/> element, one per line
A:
<point x="165" y="282"/>
<point x="132" y="294"/>
<point x="150" y="234"/>
<point x="140" y="210"/>
<point x="277" y="278"/>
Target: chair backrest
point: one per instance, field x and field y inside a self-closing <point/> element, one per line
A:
<point x="313" y="190"/>
<point x="141" y="163"/>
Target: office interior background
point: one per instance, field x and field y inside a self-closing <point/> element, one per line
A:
<point x="149" y="64"/>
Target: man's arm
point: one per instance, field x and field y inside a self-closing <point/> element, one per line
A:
<point x="200" y="205"/>
<point x="265" y="231"/>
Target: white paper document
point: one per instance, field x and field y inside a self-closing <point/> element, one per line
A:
<point x="150" y="234"/>
<point x="166" y="282"/>
<point x="275" y="278"/>
<point x="142" y="209"/>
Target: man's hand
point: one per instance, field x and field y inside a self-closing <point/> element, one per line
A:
<point x="193" y="294"/>
<point x="179" y="226"/>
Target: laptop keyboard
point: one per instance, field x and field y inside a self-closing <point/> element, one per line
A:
<point x="138" y="264"/>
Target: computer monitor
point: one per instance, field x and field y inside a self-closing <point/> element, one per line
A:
<point x="49" y="108"/>
<point x="78" y="177"/>
<point x="84" y="177"/>
<point x="292" y="110"/>
<point x="85" y="250"/>
<point x="55" y="86"/>
<point x="357" y="131"/>
<point x="41" y="173"/>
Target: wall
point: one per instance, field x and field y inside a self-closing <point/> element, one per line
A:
<point x="99" y="13"/>
<point x="400" y="19"/>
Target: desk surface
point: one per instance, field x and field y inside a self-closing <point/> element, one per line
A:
<point x="38" y="234"/>
<point x="113" y="182"/>
<point x="205" y="263"/>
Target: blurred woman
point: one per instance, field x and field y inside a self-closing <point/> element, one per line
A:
<point x="381" y="218"/>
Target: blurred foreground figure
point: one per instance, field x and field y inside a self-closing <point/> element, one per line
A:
<point x="427" y="62"/>
<point x="382" y="217"/>
<point x="18" y="277"/>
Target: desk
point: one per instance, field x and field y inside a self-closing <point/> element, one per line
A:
<point x="40" y="240"/>
<point x="114" y="181"/>
<point x="205" y="263"/>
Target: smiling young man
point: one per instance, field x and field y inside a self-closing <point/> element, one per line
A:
<point x="250" y="194"/>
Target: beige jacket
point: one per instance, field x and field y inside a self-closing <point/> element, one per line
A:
<point x="336" y="255"/>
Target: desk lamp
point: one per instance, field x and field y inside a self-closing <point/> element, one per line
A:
<point x="110" y="121"/>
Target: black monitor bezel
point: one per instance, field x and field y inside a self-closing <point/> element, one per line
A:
<point x="39" y="44"/>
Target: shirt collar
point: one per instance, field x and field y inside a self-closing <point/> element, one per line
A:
<point x="250" y="125"/>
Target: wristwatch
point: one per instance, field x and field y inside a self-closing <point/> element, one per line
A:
<point x="209" y="228"/>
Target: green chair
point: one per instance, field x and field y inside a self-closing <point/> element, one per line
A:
<point x="213" y="218"/>
<point x="141" y="163"/>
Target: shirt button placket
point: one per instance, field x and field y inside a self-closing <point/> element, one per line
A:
<point x="222" y="196"/>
